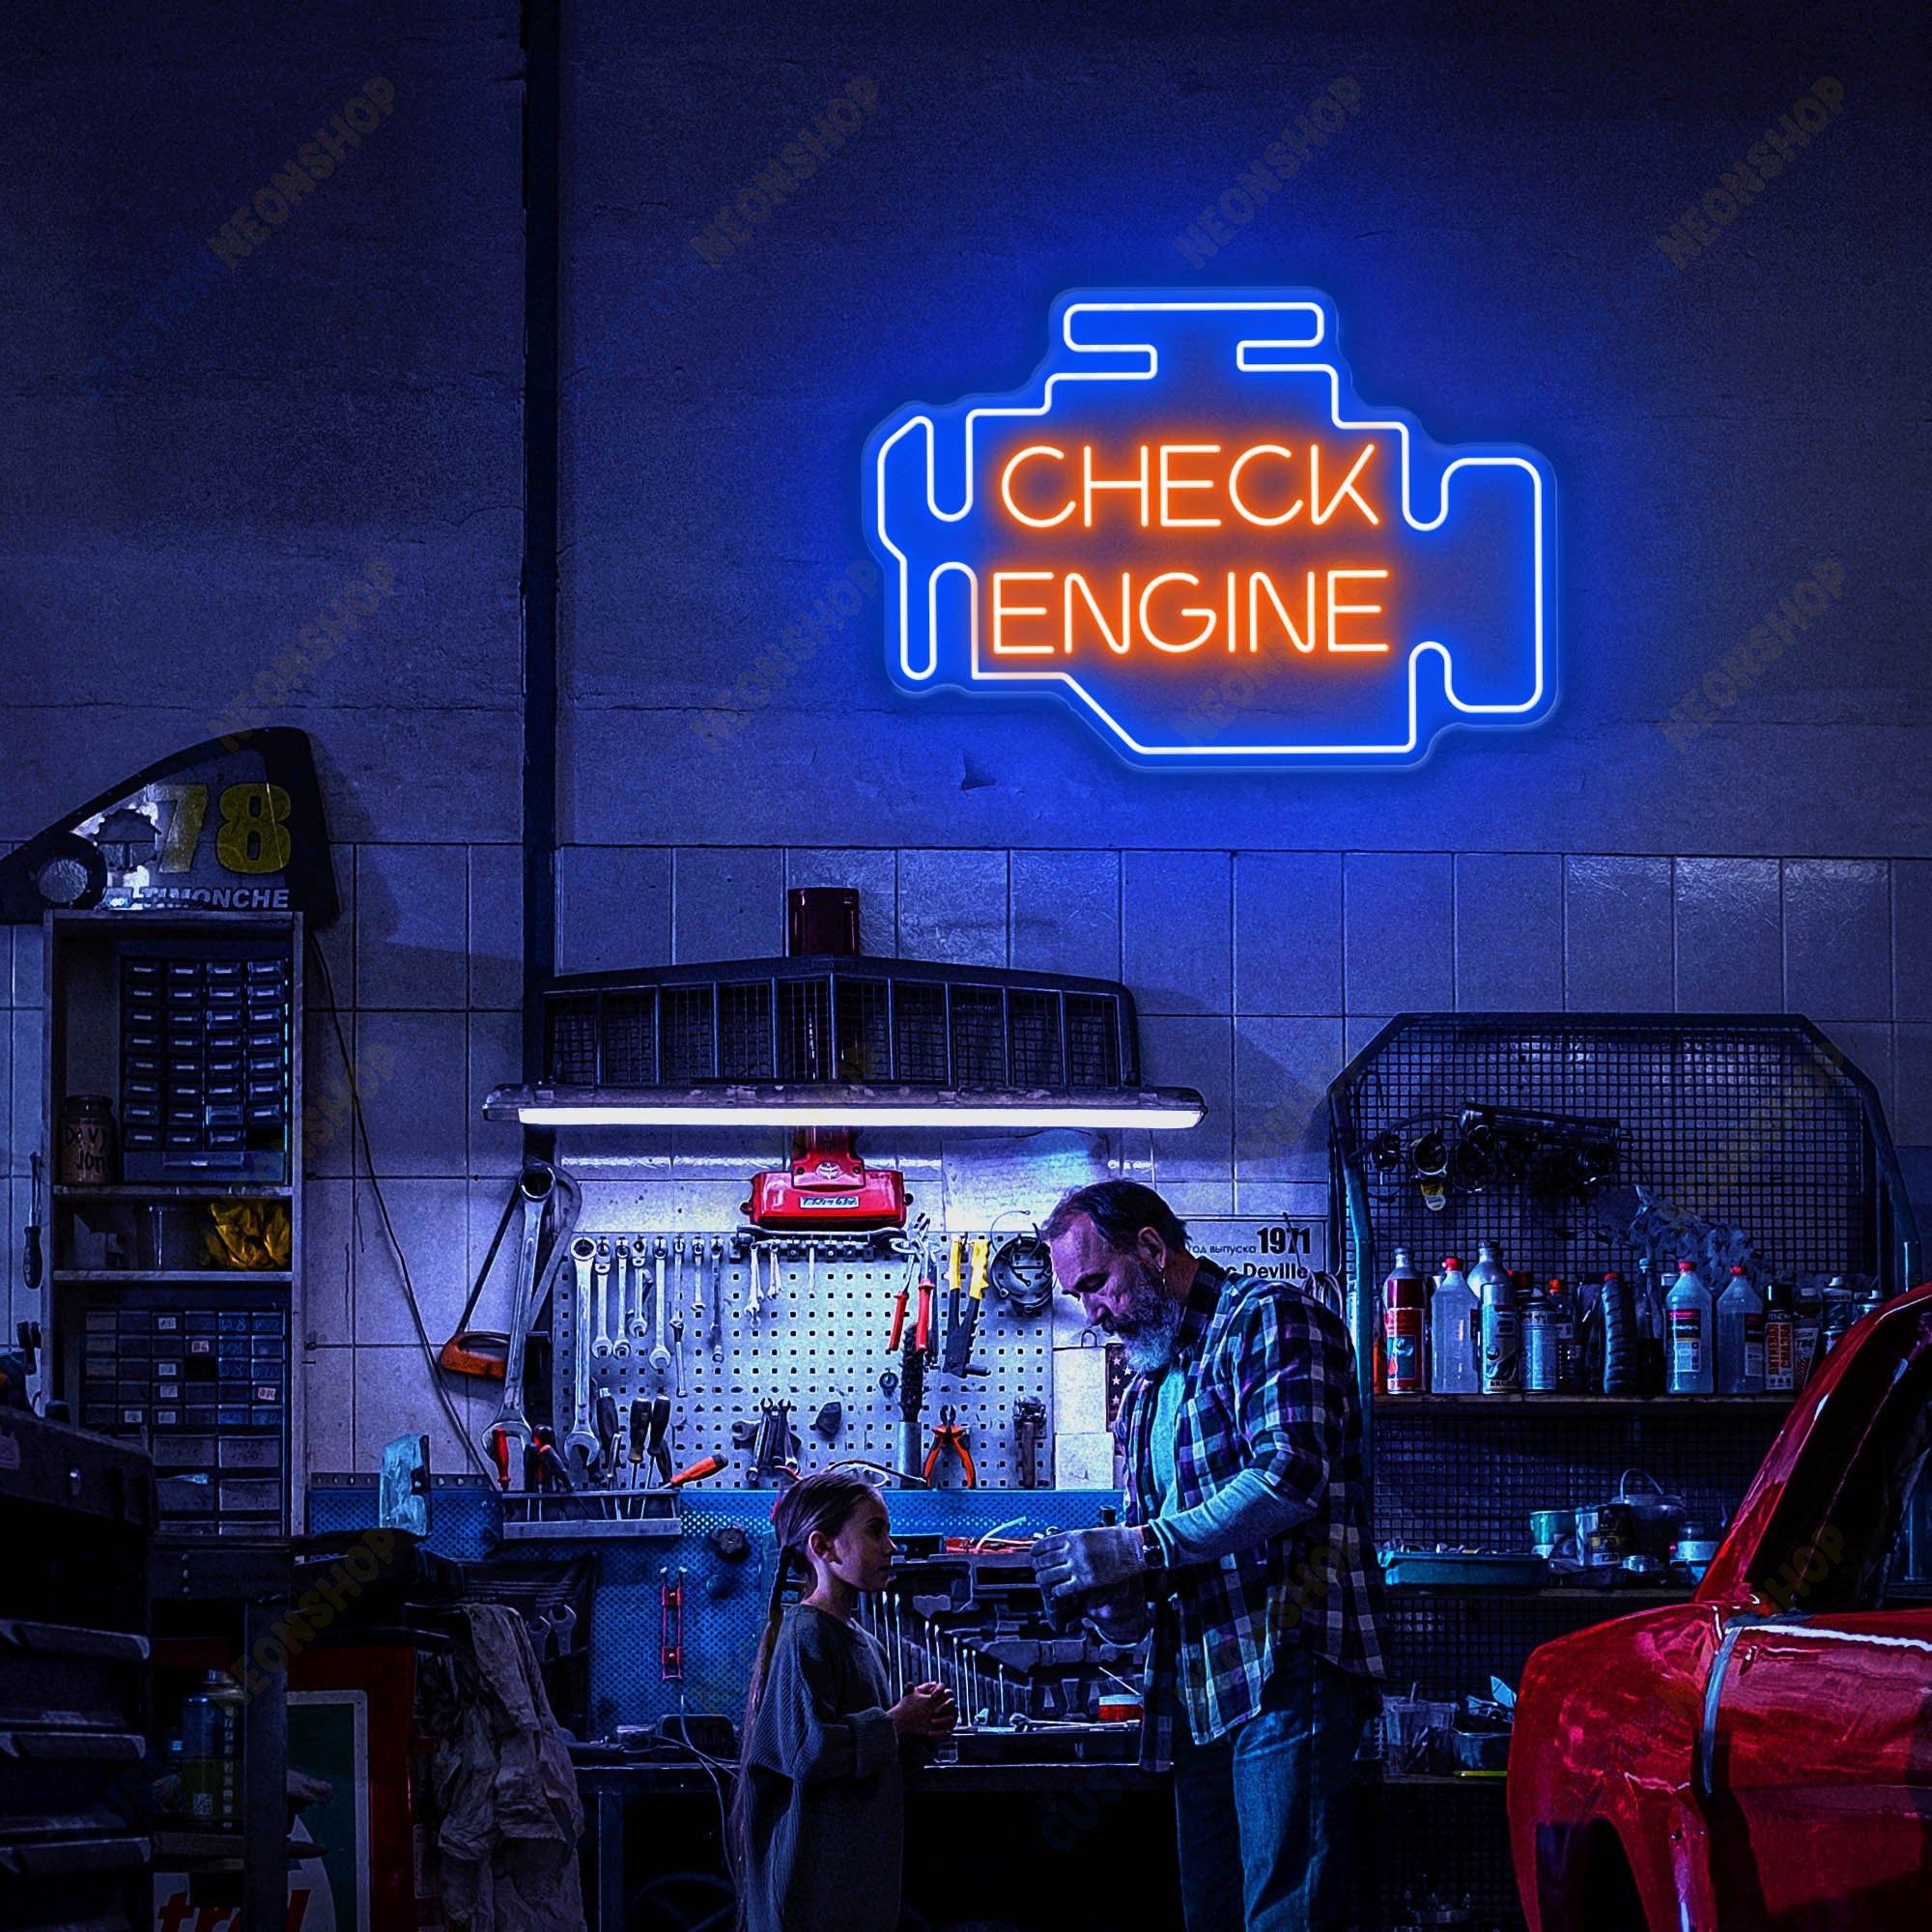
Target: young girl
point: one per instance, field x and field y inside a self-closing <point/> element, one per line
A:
<point x="819" y="1816"/>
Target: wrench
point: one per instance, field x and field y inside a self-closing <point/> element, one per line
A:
<point x="677" y="1316"/>
<point x="534" y="1186"/>
<point x="618" y="1345"/>
<point x="718" y="1301"/>
<point x="697" y="1285"/>
<point x="660" y="1353"/>
<point x="584" y="1255"/>
<point x="580" y="1436"/>
<point x="751" y="1298"/>
<point x="601" y="1268"/>
<point x="633" y="1318"/>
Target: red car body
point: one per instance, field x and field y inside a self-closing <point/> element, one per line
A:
<point x="1760" y="1759"/>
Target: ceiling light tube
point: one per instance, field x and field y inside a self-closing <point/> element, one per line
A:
<point x="1159" y="1108"/>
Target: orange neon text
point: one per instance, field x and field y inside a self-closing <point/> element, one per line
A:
<point x="1187" y="486"/>
<point x="1047" y="613"/>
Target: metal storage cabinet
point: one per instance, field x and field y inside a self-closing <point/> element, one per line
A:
<point x="75" y="1515"/>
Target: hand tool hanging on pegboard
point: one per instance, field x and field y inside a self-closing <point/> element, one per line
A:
<point x="1029" y="1420"/>
<point x="535" y="1187"/>
<point x="717" y="1301"/>
<point x="600" y="1266"/>
<point x="912" y="1405"/>
<point x="960" y="1327"/>
<point x="950" y="1438"/>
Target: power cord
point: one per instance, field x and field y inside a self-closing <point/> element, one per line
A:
<point x="460" y="1428"/>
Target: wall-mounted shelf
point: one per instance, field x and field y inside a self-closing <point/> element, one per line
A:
<point x="189" y="1277"/>
<point x="175" y="1190"/>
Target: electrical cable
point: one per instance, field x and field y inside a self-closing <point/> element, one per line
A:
<point x="429" y="1350"/>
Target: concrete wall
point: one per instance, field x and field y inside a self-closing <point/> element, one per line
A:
<point x="182" y="502"/>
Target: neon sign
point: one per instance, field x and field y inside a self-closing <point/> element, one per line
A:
<point x="1188" y="527"/>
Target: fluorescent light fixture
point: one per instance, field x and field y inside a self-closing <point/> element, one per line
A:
<point x="839" y="1106"/>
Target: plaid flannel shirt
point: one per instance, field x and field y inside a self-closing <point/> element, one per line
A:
<point x="1270" y="1384"/>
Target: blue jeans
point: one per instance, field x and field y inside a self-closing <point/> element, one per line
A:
<point x="1263" y="1816"/>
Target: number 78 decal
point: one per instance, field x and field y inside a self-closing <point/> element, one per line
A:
<point x="1188" y="527"/>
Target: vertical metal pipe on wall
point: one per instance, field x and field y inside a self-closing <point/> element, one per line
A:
<point x="542" y="37"/>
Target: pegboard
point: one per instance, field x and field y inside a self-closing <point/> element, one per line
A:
<point x="819" y="1336"/>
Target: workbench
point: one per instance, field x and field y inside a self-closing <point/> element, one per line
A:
<point x="1070" y="1847"/>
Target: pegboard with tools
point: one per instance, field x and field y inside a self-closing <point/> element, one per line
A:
<point x="722" y="1328"/>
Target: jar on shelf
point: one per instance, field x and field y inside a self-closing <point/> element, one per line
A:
<point x="86" y="1150"/>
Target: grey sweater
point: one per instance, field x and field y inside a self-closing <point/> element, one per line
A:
<point x="825" y="1826"/>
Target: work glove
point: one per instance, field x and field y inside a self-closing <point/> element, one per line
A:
<point x="1119" y="1612"/>
<point x="1084" y="1560"/>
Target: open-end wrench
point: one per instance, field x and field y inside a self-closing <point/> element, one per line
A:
<point x="601" y="1268"/>
<point x="718" y="1300"/>
<point x="534" y="1188"/>
<point x="659" y="1350"/>
<point x="752" y="1295"/>
<point x="633" y="1318"/>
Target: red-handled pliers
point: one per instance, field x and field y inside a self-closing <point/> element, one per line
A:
<point x="947" y="1433"/>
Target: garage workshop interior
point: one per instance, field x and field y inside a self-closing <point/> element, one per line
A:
<point x="726" y="1212"/>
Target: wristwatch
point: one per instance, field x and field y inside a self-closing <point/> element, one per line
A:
<point x="1152" y="1554"/>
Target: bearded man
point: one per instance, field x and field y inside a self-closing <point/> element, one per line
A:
<point x="1246" y="1546"/>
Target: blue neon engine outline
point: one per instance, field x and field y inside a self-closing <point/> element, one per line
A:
<point x="1076" y="324"/>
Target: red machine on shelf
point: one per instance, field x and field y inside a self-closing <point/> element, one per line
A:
<point x="827" y="1185"/>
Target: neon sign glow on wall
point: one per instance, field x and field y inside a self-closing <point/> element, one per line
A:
<point x="1188" y="527"/>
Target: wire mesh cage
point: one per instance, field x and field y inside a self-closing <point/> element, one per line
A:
<point x="1533" y="1132"/>
<point x="1756" y="1122"/>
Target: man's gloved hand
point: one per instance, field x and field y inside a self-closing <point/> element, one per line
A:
<point x="1119" y="1612"/>
<point x="1082" y="1560"/>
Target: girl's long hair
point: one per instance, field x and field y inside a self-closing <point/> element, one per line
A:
<point x="824" y="1502"/>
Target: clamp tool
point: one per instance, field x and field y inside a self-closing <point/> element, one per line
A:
<point x="948" y="1436"/>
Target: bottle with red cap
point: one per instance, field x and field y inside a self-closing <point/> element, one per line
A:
<point x="1686" y="1314"/>
<point x="1740" y="1319"/>
<point x="1405" y="1312"/>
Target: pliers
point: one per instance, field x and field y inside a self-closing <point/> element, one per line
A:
<point x="947" y="1433"/>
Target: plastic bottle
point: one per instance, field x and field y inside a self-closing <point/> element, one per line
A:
<point x="1563" y="1319"/>
<point x="1780" y="1362"/>
<point x="1539" y="1339"/>
<point x="1502" y="1326"/>
<point x="1740" y="1317"/>
<point x="1687" y="1315"/>
<point x="1405" y="1312"/>
<point x="1453" y="1329"/>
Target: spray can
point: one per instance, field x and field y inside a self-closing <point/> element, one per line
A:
<point x="1502" y="1329"/>
<point x="1807" y="1331"/>
<point x="1539" y="1341"/>
<point x="1563" y="1318"/>
<point x="1404" y="1313"/>
<point x="1779" y="1363"/>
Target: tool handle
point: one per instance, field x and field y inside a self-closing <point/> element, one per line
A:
<point x="710" y="1467"/>
<point x="981" y="1248"/>
<point x="952" y="1248"/>
<point x="499" y="1448"/>
<point x="898" y="1321"/>
<point x="923" y="1333"/>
